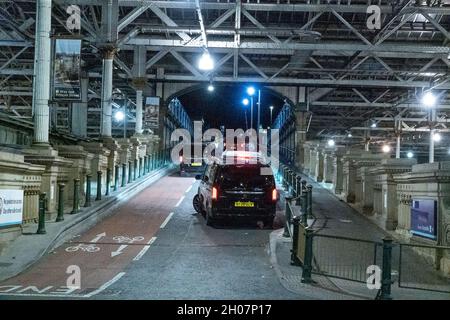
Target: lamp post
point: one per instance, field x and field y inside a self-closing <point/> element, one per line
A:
<point x="251" y="92"/>
<point x="271" y="111"/>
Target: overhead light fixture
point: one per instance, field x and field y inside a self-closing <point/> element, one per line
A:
<point x="428" y="99"/>
<point x="206" y="62"/>
<point x="331" y="143"/>
<point x="245" y="102"/>
<point x="349" y="135"/>
<point x="373" y="125"/>
<point x="250" y="91"/>
<point x="386" y="148"/>
<point x="410" y="154"/>
<point x="437" y="137"/>
<point x="210" y="88"/>
<point x="119" y="116"/>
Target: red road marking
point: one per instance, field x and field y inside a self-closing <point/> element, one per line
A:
<point x="140" y="216"/>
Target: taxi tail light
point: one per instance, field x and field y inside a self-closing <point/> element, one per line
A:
<point x="215" y="193"/>
<point x="274" y="195"/>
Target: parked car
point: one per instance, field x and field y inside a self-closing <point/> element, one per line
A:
<point x="237" y="189"/>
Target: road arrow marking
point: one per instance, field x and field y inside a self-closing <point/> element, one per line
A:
<point x="98" y="237"/>
<point x="118" y="251"/>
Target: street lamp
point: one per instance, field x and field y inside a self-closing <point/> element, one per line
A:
<point x="245" y="102"/>
<point x="437" y="137"/>
<point x="410" y="154"/>
<point x="271" y="111"/>
<point x="386" y="148"/>
<point x="250" y="91"/>
<point x="331" y="143"/>
<point x="206" y="62"/>
<point x="429" y="99"/>
<point x="119" y="115"/>
<point x="210" y="88"/>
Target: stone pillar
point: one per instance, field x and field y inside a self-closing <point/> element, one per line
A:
<point x="300" y="138"/>
<point x="319" y="165"/>
<point x="80" y="110"/>
<point x="328" y="167"/>
<point x="106" y="94"/>
<point x="426" y="182"/>
<point x="312" y="162"/>
<point x="41" y="83"/>
<point x="306" y="158"/>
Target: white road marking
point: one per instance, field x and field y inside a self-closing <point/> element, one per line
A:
<point x="118" y="251"/>
<point x="179" y="201"/>
<point x="60" y="295"/>
<point x="188" y="189"/>
<point x="144" y="250"/>
<point x="105" y="285"/>
<point x="98" y="237"/>
<point x="163" y="225"/>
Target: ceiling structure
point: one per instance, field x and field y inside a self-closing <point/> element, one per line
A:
<point x="355" y="76"/>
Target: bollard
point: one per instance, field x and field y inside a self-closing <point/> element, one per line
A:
<point x="99" y="186"/>
<point x="124" y="174"/>
<point x="139" y="167"/>
<point x="288" y="215"/>
<point x="152" y="161"/>
<point x="130" y="171"/>
<point x="41" y="222"/>
<point x="108" y="181"/>
<point x="283" y="176"/>
<point x="145" y="165"/>
<point x="295" y="233"/>
<point x="76" y="196"/>
<point x="309" y="202"/>
<point x="135" y="167"/>
<point x="116" y="177"/>
<point x="303" y="209"/>
<point x="60" y="216"/>
<point x="87" y="203"/>
<point x="386" y="273"/>
<point x="298" y="189"/>
<point x="307" y="263"/>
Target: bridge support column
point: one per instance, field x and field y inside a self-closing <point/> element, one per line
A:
<point x="106" y="95"/>
<point x="80" y="110"/>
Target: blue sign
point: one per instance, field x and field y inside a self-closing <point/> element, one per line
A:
<point x="424" y="218"/>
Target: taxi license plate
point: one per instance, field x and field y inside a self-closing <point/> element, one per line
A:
<point x="246" y="204"/>
<point x="196" y="164"/>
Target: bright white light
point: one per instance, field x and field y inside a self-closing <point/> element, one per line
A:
<point x="245" y="102"/>
<point x="331" y="143"/>
<point x="119" y="116"/>
<point x="271" y="107"/>
<point x="437" y="137"/>
<point x="206" y="62"/>
<point x="410" y="154"/>
<point x="429" y="99"/>
<point x="349" y="135"/>
<point x="250" y="91"/>
<point x="386" y="148"/>
<point x="373" y="125"/>
<point x="210" y="88"/>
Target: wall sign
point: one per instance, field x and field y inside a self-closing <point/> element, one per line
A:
<point x="11" y="207"/>
<point x="67" y="69"/>
<point x="424" y="218"/>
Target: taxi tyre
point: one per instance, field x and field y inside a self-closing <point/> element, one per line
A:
<point x="210" y="221"/>
<point x="197" y="204"/>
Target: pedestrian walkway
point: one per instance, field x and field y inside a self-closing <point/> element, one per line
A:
<point x="336" y="218"/>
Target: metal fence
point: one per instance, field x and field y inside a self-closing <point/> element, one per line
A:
<point x="420" y="267"/>
<point x="331" y="260"/>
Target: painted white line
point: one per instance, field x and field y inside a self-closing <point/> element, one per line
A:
<point x="179" y="201"/>
<point x="105" y="285"/>
<point x="144" y="250"/>
<point x="188" y="189"/>
<point x="163" y="225"/>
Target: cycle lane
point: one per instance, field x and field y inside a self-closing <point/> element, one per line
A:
<point x="104" y="251"/>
